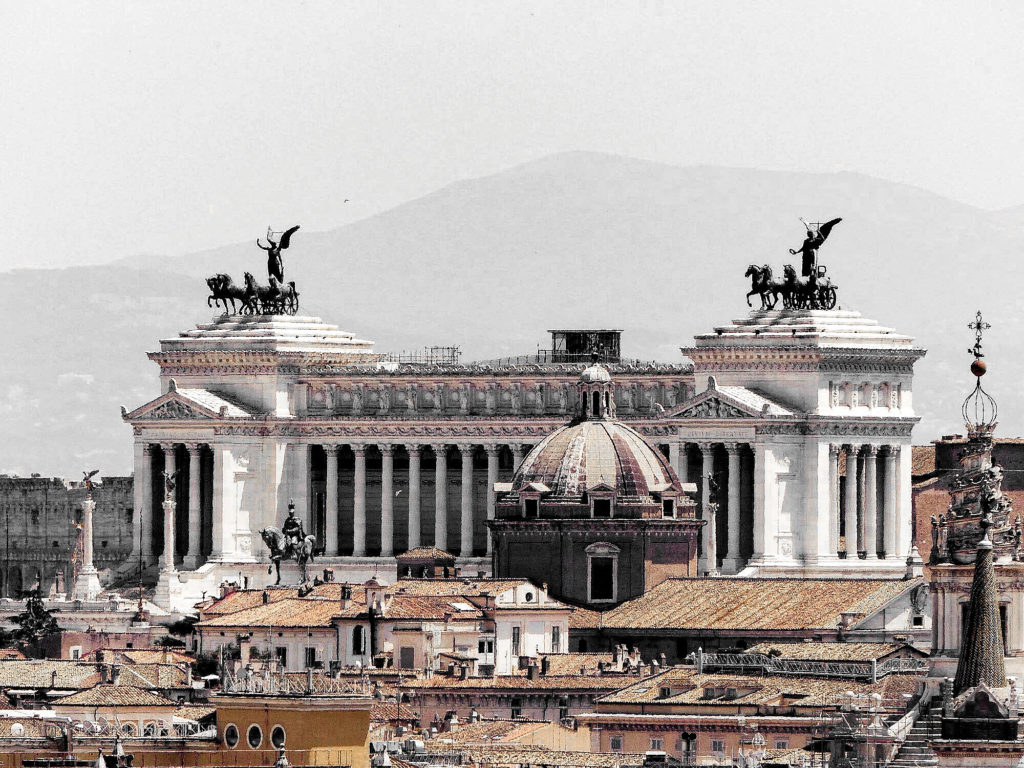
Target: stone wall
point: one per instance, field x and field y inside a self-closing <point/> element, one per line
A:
<point x="38" y="532"/>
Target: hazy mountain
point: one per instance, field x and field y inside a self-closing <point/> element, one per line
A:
<point x="576" y="239"/>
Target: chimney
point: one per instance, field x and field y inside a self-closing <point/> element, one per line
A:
<point x="53" y="678"/>
<point x="328" y="575"/>
<point x="346" y="596"/>
<point x="101" y="669"/>
<point x="188" y="675"/>
<point x="662" y="659"/>
<point x="545" y="665"/>
<point x="266" y="597"/>
<point x="464" y="672"/>
<point x="115" y="674"/>
<point x="244" y="649"/>
<point x="100" y="656"/>
<point x="531" y="670"/>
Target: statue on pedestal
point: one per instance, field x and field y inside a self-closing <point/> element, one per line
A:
<point x="277" y="298"/>
<point x="290" y="542"/>
<point x="812" y="290"/>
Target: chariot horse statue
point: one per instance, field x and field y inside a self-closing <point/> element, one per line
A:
<point x="284" y="547"/>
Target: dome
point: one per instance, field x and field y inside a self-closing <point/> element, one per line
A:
<point x="578" y="457"/>
<point x="595" y="374"/>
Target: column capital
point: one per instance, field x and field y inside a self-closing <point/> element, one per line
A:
<point x="413" y="449"/>
<point x="732" y="448"/>
<point x="167" y="446"/>
<point x="853" y="447"/>
<point x="332" y="449"/>
<point x="147" y="449"/>
<point x="871" y="449"/>
<point x="359" y="449"/>
<point x="193" y="448"/>
<point x="833" y="450"/>
<point x="492" y="449"/>
<point x="704" y="446"/>
<point x="466" y="448"/>
<point x="439" y="449"/>
<point x="386" y="449"/>
<point x="892" y="450"/>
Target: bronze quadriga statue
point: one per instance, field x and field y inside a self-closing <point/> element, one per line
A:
<point x="251" y="298"/>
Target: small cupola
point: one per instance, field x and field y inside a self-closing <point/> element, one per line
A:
<point x="596" y="395"/>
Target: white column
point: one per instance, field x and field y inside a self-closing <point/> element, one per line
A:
<point x="466" y="541"/>
<point x="710" y="558"/>
<point x="219" y="510"/>
<point x="492" y="478"/>
<point x="889" y="516"/>
<point x="414" y="495"/>
<point x="387" y="500"/>
<point x="331" y="513"/>
<point x="170" y="467"/>
<point x="359" y="502"/>
<point x="301" y="490"/>
<point x="673" y="456"/>
<point x="517" y="455"/>
<point x="142" y="514"/>
<point x="441" y="497"/>
<point x="760" y="483"/>
<point x="87" y="582"/>
<point x="833" y="501"/>
<point x="195" y="502"/>
<point x="683" y="464"/>
<point x="731" y="563"/>
<point x="168" y="557"/>
<point x="871" y="501"/>
<point x="854" y="531"/>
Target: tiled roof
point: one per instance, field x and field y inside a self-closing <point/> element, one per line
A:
<point x="39" y="673"/>
<point x="426" y="553"/>
<point x="10" y="653"/>
<point x="831" y="651"/>
<point x="465" y="587"/>
<point x="492" y="731"/>
<point x="290" y="612"/>
<point x="572" y="663"/>
<point x="165" y="676"/>
<point x="195" y="711"/>
<point x="608" y="682"/>
<point x="250" y="598"/>
<point x="752" y="604"/>
<point x="584" y="618"/>
<point x="413" y="607"/>
<point x="509" y="756"/>
<point x="580" y="456"/>
<point x="141" y="655"/>
<point x="107" y="695"/>
<point x="31" y="728"/>
<point x="686" y="686"/>
<point x="389" y="711"/>
<point x="922" y="460"/>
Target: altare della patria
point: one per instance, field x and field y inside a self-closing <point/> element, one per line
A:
<point x="278" y="438"/>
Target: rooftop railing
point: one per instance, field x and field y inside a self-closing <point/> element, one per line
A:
<point x="872" y="670"/>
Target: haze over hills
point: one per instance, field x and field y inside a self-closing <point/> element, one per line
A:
<point x="576" y="239"/>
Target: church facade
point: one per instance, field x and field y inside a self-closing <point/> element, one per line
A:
<point x="780" y="408"/>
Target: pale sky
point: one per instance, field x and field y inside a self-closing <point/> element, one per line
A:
<point x="130" y="128"/>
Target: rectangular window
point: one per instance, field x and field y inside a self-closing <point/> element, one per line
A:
<point x="602" y="507"/>
<point x="556" y="639"/>
<point x="717" y="747"/>
<point x="563" y="708"/>
<point x="76" y="652"/>
<point x="656" y="744"/>
<point x="781" y="744"/>
<point x="531" y="507"/>
<point x="310" y="657"/>
<point x="406" y="657"/>
<point x="602" y="580"/>
<point x="615" y="743"/>
<point x="282" y="656"/>
<point x="517" y="707"/>
<point x="515" y="640"/>
<point x="668" y="508"/>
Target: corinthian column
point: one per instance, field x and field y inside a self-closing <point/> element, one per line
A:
<point x="889" y="516"/>
<point x="854" y="531"/>
<point x="710" y="557"/>
<point x="492" y="478"/>
<point x="466" y="540"/>
<point x="87" y="582"/>
<point x="731" y="562"/>
<point x="194" y="505"/>
<point x="441" y="497"/>
<point x="517" y="456"/>
<point x="143" y="500"/>
<point x="414" y="495"/>
<point x="871" y="501"/>
<point x="331" y="523"/>
<point x="387" y="500"/>
<point x="359" y="502"/>
<point x="170" y="467"/>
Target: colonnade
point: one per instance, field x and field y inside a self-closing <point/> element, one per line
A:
<point x="870" y="507"/>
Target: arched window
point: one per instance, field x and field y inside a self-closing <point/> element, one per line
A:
<point x="596" y="398"/>
<point x="358" y="641"/>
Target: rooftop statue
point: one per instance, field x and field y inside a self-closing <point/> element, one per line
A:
<point x="812" y="290"/>
<point x="87" y="481"/>
<point x="251" y="298"/>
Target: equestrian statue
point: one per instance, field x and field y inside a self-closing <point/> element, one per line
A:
<point x="811" y="290"/>
<point x="289" y="542"/>
<point x="251" y="298"/>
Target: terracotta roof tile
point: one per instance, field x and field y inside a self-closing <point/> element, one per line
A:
<point x="832" y="651"/>
<point x="251" y="598"/>
<point x="752" y="604"/>
<point x="509" y="756"/>
<point x="39" y="673"/>
<point x="290" y="612"/>
<point x="922" y="460"/>
<point x="608" y="682"/>
<point x="572" y="663"/>
<point x="426" y="553"/>
<point x="462" y="586"/>
<point x="107" y="695"/>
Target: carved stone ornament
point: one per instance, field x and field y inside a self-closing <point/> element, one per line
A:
<point x="174" y="409"/>
<point x="713" y="408"/>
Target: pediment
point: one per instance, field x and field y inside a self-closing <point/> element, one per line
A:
<point x="712" y="405"/>
<point x="172" y="406"/>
